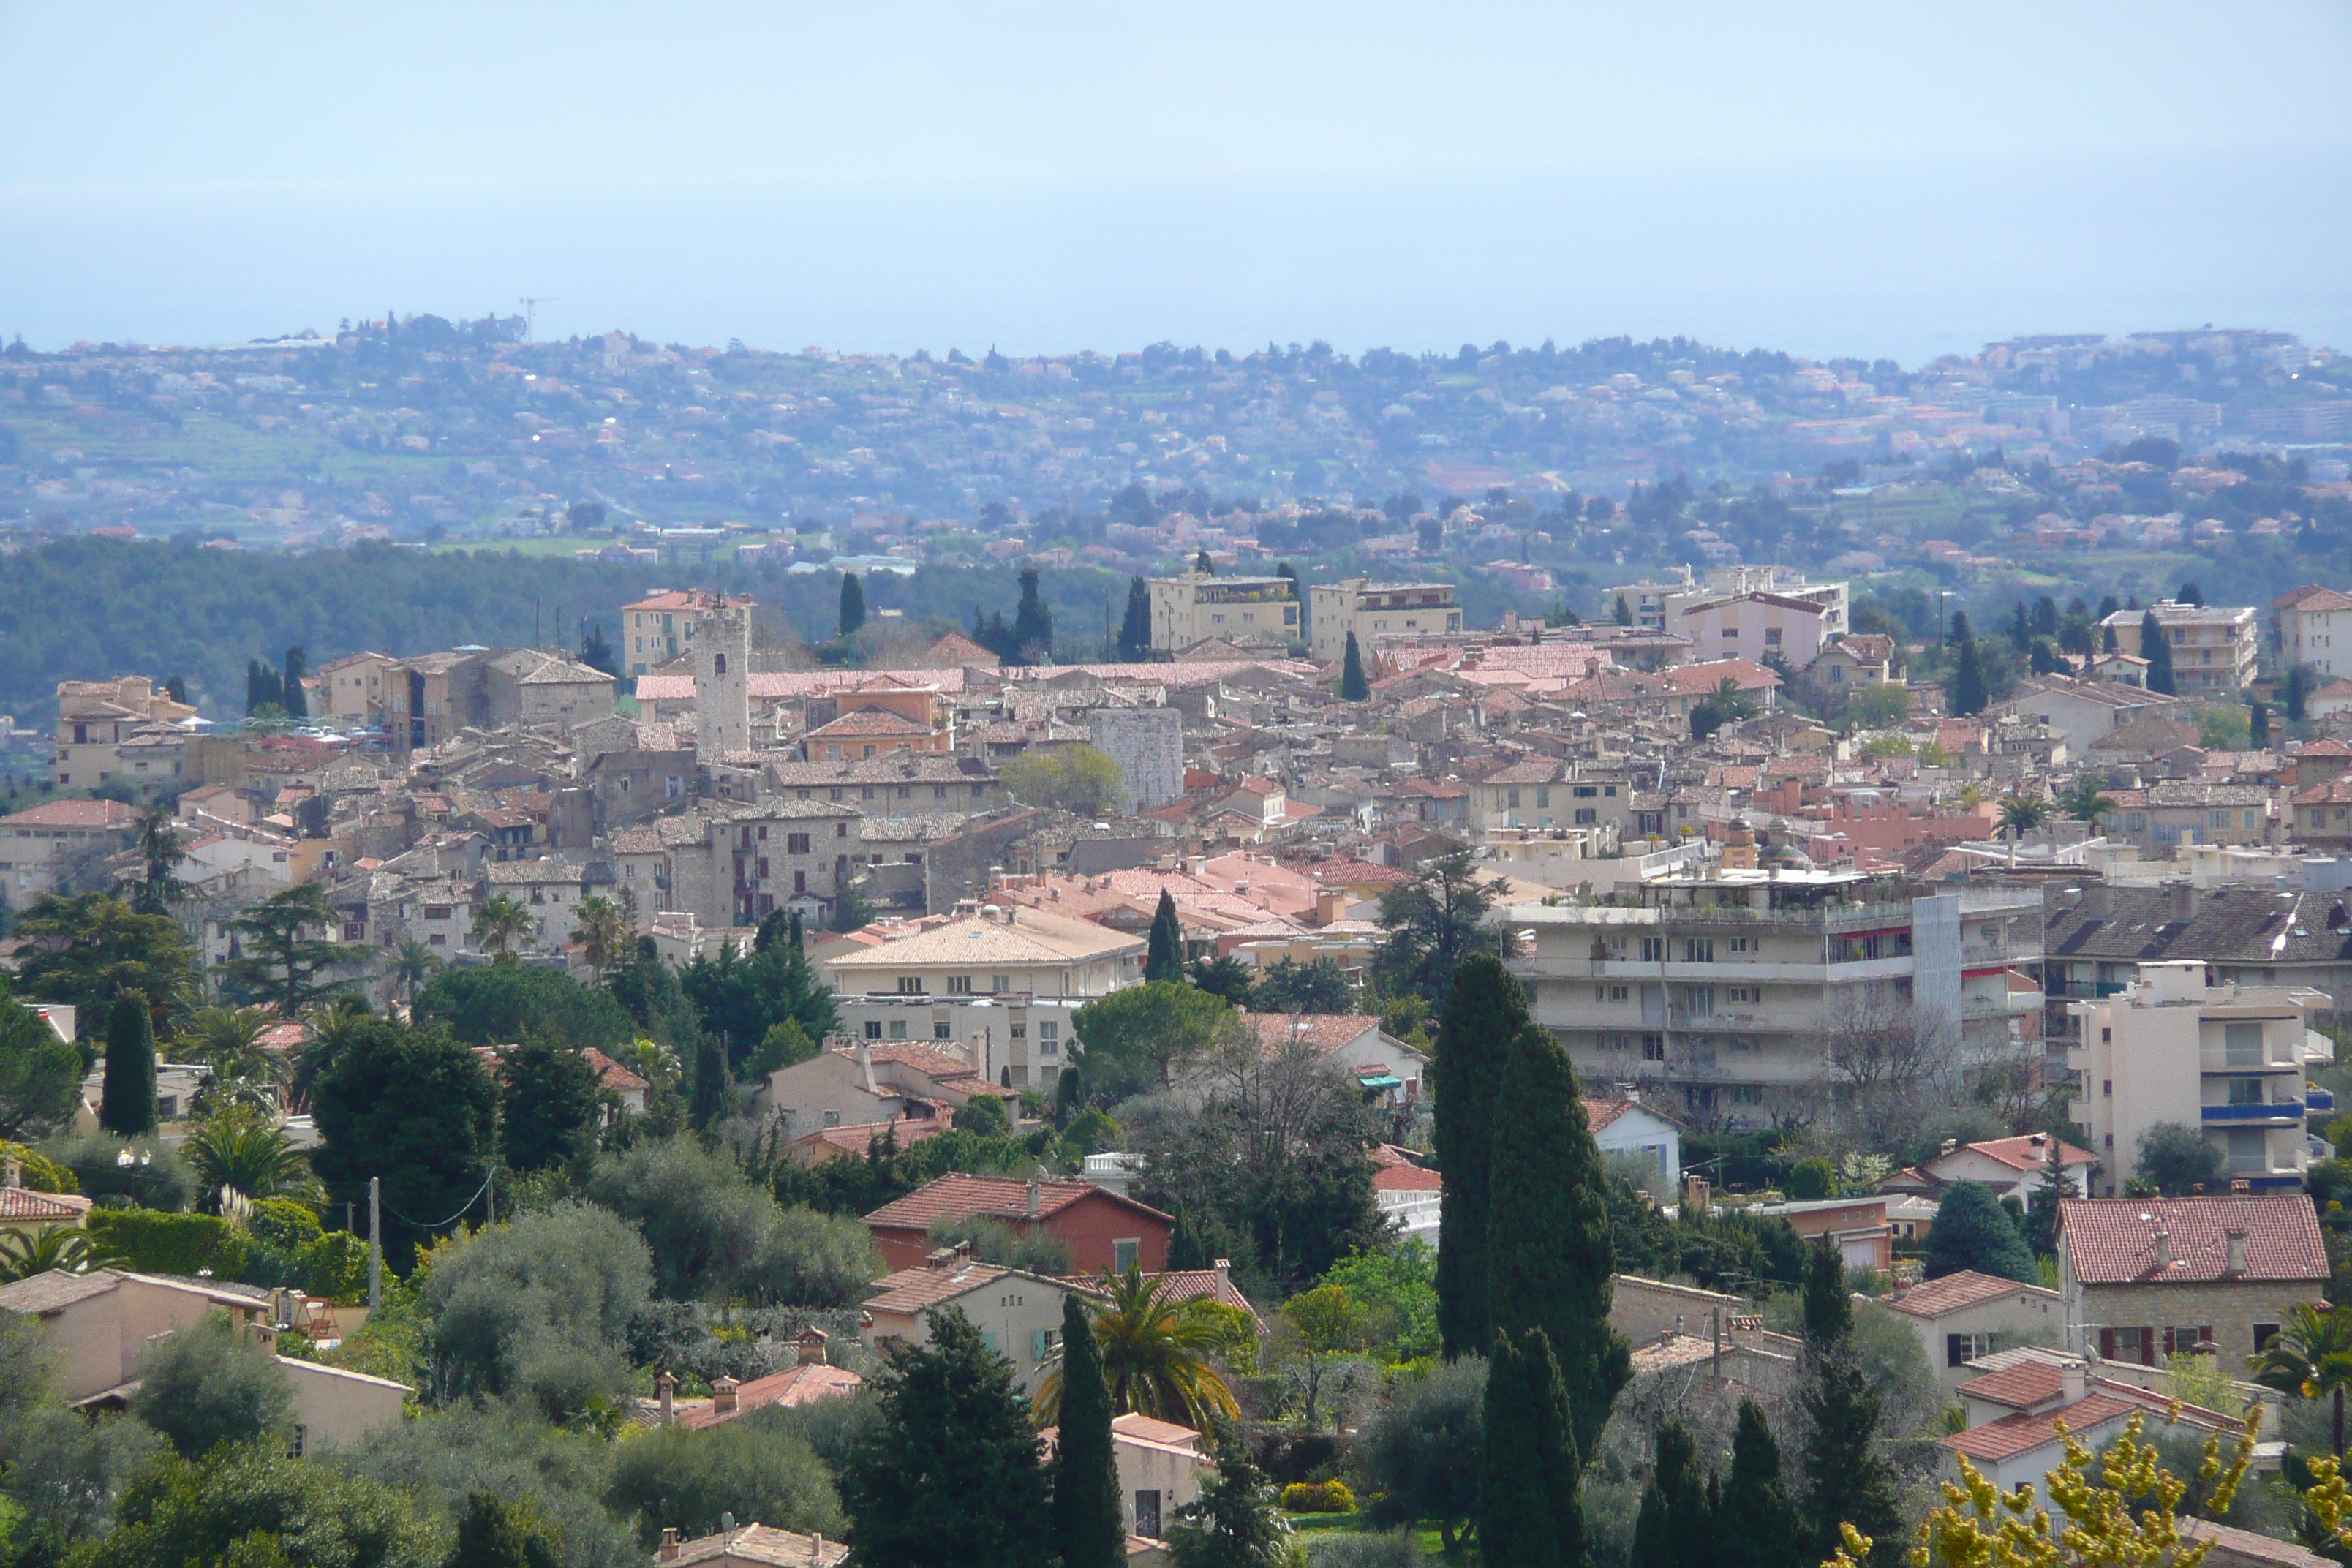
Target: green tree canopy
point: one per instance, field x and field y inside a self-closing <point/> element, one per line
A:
<point x="212" y="1384"/>
<point x="93" y="947"/>
<point x="1353" y="686"/>
<point x="853" y="605"/>
<point x="685" y="1479"/>
<point x="279" y="964"/>
<point x="1163" y="960"/>
<point x="1423" y="1447"/>
<point x="2175" y="1158"/>
<point x="40" y="1074"/>
<point x="1973" y="1231"/>
<point x="1485" y="1012"/>
<point x="499" y="1005"/>
<point x="539" y="1306"/>
<point x="549" y="1103"/>
<point x="128" y="1102"/>
<point x="1530" y="1514"/>
<point x="1433" y="922"/>
<point x="1077" y="779"/>
<point x="210" y="1512"/>
<point x="413" y="1108"/>
<point x="1131" y="1041"/>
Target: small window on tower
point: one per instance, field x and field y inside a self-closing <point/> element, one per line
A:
<point x="719" y="663"/>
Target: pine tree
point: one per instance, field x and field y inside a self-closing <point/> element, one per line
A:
<point x="951" y="1477"/>
<point x="1676" y="1528"/>
<point x="2042" y="1209"/>
<point x="1087" y="1525"/>
<point x="1973" y="1231"/>
<point x="1135" y="630"/>
<point x="292" y="698"/>
<point x="1203" y="564"/>
<point x="1298" y="592"/>
<point x="853" y="604"/>
<point x="1967" y="693"/>
<point x="1164" y="960"/>
<point x="2157" y="648"/>
<point x="1756" y="1525"/>
<point x="1485" y="1011"/>
<point x="1846" y="1481"/>
<point x="127" y="1104"/>
<point x="1353" y="687"/>
<point x="1548" y="1252"/>
<point x="1530" y="1514"/>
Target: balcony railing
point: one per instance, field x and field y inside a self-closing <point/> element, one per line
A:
<point x="2281" y="1111"/>
<point x="2319" y="1100"/>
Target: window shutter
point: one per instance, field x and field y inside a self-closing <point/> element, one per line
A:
<point x="1955" y="1351"/>
<point x="988" y="1338"/>
<point x="2147" y="1347"/>
<point x="1036" y="1344"/>
<point x="2205" y="1334"/>
<point x="2107" y="1345"/>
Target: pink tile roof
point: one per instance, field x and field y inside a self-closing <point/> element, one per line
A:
<point x="957" y="1196"/>
<point x="1952" y="1293"/>
<point x="2112" y="1241"/>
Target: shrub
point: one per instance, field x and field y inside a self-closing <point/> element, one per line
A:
<point x="284" y="1223"/>
<point x="1811" y="1179"/>
<point x="334" y="1266"/>
<point x="163" y="1183"/>
<point x="41" y="1174"/>
<point x="676" y="1476"/>
<point x="1318" y="1497"/>
<point x="152" y="1242"/>
<point x="212" y="1383"/>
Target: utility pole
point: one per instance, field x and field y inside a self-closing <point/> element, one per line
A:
<point x="375" y="1244"/>
<point x="490" y="1187"/>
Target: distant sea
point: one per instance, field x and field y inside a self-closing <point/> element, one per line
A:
<point x="1905" y="259"/>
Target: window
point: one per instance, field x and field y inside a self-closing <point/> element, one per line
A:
<point x="796" y="843"/>
<point x="1700" y="999"/>
<point x="1747" y="1094"/>
<point x="1585" y="792"/>
<point x="1698" y="950"/>
<point x="2263" y="1334"/>
<point x="1123" y="1254"/>
<point x="873" y="1028"/>
<point x="1511" y="800"/>
<point x="1654" y="1048"/>
<point x="833" y="1119"/>
<point x="897" y="1028"/>
<point x="2241" y="1045"/>
<point x="1743" y="945"/>
<point x="2184" y="1341"/>
<point x="1653" y="950"/>
<point x="1000" y="983"/>
<point x="1609" y="993"/>
<point x="2129" y="1345"/>
<point x="2244" y="1091"/>
<point x="959" y="984"/>
<point x="944" y="1030"/>
<point x="1019" y="1031"/>
<point x="1961" y="1349"/>
<point x="1543" y="798"/>
<point x="301" y="1441"/>
<point x="1749" y="994"/>
<point x="1049" y="1041"/>
<point x="911" y="985"/>
<point x="1586" y="817"/>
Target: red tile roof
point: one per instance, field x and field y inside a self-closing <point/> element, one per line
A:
<point x="2028" y="1152"/>
<point x="2020" y="1388"/>
<point x="23" y="1204"/>
<point x="73" y="814"/>
<point x="957" y="1196"/>
<point x="1204" y="1284"/>
<point x="1954" y="1291"/>
<point x="1395" y="1171"/>
<point x="1323" y="1031"/>
<point x="2112" y="1241"/>
<point x="2021" y="1433"/>
<point x="795" y="1385"/>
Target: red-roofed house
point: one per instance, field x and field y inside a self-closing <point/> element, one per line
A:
<point x="2012" y="1437"/>
<point x="2145" y="1278"/>
<point x="2012" y="1167"/>
<point x="809" y="1380"/>
<point x="1102" y="1228"/>
<point x="1629" y="1127"/>
<point x="1382" y="1063"/>
<point x="1962" y="1316"/>
<point x="1018" y="1314"/>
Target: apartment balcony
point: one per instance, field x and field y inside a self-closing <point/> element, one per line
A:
<point x="2016" y="1004"/>
<point x="2221" y="1064"/>
<point x="1725" y="971"/>
<point x="2057" y="985"/>
<point x="2275" y="1113"/>
<point x="2318" y="1100"/>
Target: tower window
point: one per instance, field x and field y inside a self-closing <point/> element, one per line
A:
<point x="718" y="664"/>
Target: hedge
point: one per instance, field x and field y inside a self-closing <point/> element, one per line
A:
<point x="152" y="1242"/>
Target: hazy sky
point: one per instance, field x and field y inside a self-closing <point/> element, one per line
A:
<point x="1854" y="178"/>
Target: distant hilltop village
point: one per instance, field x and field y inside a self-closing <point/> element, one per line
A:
<point x="424" y="431"/>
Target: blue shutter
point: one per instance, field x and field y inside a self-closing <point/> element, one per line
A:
<point x="1036" y="1344"/>
<point x="988" y="1338"/>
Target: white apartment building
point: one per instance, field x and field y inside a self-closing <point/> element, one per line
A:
<point x="1196" y="606"/>
<point x="2308" y="621"/>
<point x="2229" y="1059"/>
<point x="1753" y="625"/>
<point x="2213" y="647"/>
<point x="1715" y="996"/>
<point x="1663" y="606"/>
<point x="1013" y="1039"/>
<point x="1376" y="610"/>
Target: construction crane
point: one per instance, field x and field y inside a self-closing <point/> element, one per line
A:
<point x="530" y="312"/>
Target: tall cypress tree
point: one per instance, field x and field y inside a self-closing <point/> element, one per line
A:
<point x="1756" y="1525"/>
<point x="1846" y="1481"/>
<point x="1549" y="1251"/>
<point x="1164" y="960"/>
<point x="1033" y="625"/>
<point x="1530" y="1513"/>
<point x="1967" y="694"/>
<point x="127" y="1104"/>
<point x="1676" y="1528"/>
<point x="1135" y="628"/>
<point x="1353" y="687"/>
<point x="853" y="604"/>
<point x="1484" y="1011"/>
<point x="2157" y="648"/>
<point x="1087" y="1525"/>
<point x="297" y="665"/>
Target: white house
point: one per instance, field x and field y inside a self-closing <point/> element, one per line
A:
<point x="1629" y="1127"/>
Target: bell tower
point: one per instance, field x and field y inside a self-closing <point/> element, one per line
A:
<point x="722" y="679"/>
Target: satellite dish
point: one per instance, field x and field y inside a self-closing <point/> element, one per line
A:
<point x="727" y="1524"/>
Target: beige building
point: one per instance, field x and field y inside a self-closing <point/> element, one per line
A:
<point x="2214" y="647"/>
<point x="355" y="689"/>
<point x="1018" y="1314"/>
<point x="60" y="844"/>
<point x="660" y="627"/>
<point x="1376" y="610"/>
<point x="2227" y="1059"/>
<point x="1962" y="1316"/>
<point x="124" y="731"/>
<point x="1244" y="610"/>
<point x="2309" y="620"/>
<point x="2145" y="1278"/>
<point x="1755" y="625"/>
<point x="98" y="1325"/>
<point x="993" y="951"/>
<point x="1660" y="607"/>
<point x="869" y="1083"/>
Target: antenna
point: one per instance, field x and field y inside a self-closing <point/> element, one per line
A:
<point x="530" y="304"/>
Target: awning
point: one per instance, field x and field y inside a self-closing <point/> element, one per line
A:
<point x="1382" y="1080"/>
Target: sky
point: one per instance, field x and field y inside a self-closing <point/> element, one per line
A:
<point x="1903" y="180"/>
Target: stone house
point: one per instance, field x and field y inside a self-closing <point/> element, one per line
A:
<point x="1018" y="1314"/>
<point x="2147" y="1278"/>
<point x="1962" y="1316"/>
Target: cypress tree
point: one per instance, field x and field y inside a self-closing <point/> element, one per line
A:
<point x="1033" y="625"/>
<point x="2257" y="726"/>
<point x="1756" y="1525"/>
<point x="1530" y="1514"/>
<point x="1967" y="693"/>
<point x="293" y="699"/>
<point x="1846" y="1481"/>
<point x="1623" y="613"/>
<point x="2155" y="647"/>
<point x="1676" y="1528"/>
<point x="1135" y="630"/>
<point x="711" y="1095"/>
<point x="1484" y="1009"/>
<point x="853" y="604"/>
<point x="1088" y="1528"/>
<point x="1203" y="564"/>
<point x="127" y="1104"/>
<point x="1353" y="687"/>
<point x="1164" y="960"/>
<point x="1549" y="1251"/>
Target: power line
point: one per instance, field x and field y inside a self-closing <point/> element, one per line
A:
<point x="462" y="1208"/>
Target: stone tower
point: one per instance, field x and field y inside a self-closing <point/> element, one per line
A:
<point x="722" y="680"/>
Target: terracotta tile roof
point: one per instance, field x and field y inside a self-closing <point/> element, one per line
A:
<point x="2027" y="1153"/>
<point x="1954" y="1291"/>
<point x="758" y="1544"/>
<point x="836" y="1143"/>
<point x="47" y="1208"/>
<point x="933" y="1065"/>
<point x="1203" y="1284"/>
<point x="2311" y="596"/>
<point x="794" y="1386"/>
<point x="72" y="814"/>
<point x="2020" y="1388"/>
<point x="2021" y="1433"/>
<point x="1602" y="1112"/>
<point x="869" y="722"/>
<point x="957" y="1196"/>
<point x="1323" y="1031"/>
<point x="913" y="1290"/>
<point x="1395" y="1171"/>
<point x="2111" y="1241"/>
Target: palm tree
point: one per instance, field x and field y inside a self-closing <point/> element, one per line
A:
<point x="600" y="932"/>
<point x="23" y="1253"/>
<point x="2311" y="1355"/>
<point x="245" y="1150"/>
<point x="1157" y="1355"/>
<point x="2021" y="812"/>
<point x="2087" y="801"/>
<point x="227" y="1040"/>
<point x="413" y="964"/>
<point x="499" y="924"/>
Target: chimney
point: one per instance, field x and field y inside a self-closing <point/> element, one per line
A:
<point x="722" y="1396"/>
<point x="667" y="1387"/>
<point x="2099" y="901"/>
<point x="810" y="1346"/>
<point x="1330" y="904"/>
<point x="2236" y="1237"/>
<point x="668" y="1553"/>
<point x="2163" y="1247"/>
<point x="1224" y="1265"/>
<point x="11" y="1174"/>
<point x="2072" y="1380"/>
<point x="816" y="1548"/>
<point x="1037" y="1203"/>
<point x="865" y="1065"/>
